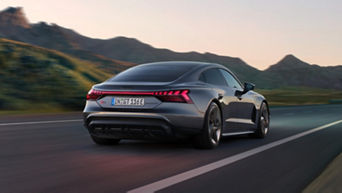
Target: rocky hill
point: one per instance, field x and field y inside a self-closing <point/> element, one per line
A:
<point x="109" y="54"/>
<point x="291" y="71"/>
<point x="130" y="50"/>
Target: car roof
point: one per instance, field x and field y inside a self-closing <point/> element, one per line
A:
<point x="190" y="63"/>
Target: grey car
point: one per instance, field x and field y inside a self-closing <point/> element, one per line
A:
<point x="193" y="100"/>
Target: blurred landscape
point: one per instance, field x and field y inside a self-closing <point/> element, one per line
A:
<point x="45" y="67"/>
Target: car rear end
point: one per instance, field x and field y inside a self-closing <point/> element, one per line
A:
<point x="143" y="108"/>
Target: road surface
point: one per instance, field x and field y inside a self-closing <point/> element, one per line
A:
<point x="53" y="153"/>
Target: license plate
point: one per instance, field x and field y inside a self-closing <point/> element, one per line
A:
<point x="128" y="101"/>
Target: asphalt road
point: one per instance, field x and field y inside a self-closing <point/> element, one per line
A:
<point x="58" y="156"/>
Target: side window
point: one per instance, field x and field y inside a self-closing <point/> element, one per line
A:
<point x="213" y="76"/>
<point x="231" y="81"/>
<point x="202" y="78"/>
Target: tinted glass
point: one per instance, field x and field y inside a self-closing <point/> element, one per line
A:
<point x="231" y="81"/>
<point x="213" y="76"/>
<point x="202" y="78"/>
<point x="153" y="73"/>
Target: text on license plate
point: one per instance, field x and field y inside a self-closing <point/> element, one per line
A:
<point x="128" y="101"/>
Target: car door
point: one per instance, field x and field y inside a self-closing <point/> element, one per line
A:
<point x="242" y="109"/>
<point x="226" y="94"/>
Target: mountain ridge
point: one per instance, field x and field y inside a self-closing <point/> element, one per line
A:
<point x="118" y="53"/>
<point x="119" y="48"/>
<point x="288" y="61"/>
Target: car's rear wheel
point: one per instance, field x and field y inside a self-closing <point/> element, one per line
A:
<point x="264" y="122"/>
<point x="104" y="141"/>
<point x="211" y="134"/>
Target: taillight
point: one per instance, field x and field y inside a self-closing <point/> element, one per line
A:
<point x="93" y="94"/>
<point x="180" y="96"/>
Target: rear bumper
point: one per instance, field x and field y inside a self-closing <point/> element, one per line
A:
<point x="140" y="125"/>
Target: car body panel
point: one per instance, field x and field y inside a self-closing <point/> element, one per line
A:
<point x="173" y="119"/>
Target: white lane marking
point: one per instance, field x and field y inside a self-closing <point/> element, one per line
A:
<point x="164" y="183"/>
<point x="40" y="122"/>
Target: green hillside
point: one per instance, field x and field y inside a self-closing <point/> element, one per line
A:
<point x="36" y="78"/>
<point x="301" y="96"/>
<point x="33" y="78"/>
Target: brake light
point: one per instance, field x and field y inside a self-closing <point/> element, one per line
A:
<point x="180" y="96"/>
<point x="93" y="94"/>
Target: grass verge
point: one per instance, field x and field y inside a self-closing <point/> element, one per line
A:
<point x="329" y="180"/>
<point x="301" y="96"/>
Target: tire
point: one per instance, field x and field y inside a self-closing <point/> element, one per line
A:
<point x="212" y="129"/>
<point x="263" y="123"/>
<point x="104" y="141"/>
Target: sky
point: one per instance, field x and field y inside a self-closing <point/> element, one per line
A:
<point x="260" y="32"/>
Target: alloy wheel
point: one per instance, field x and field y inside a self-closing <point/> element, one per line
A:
<point x="215" y="125"/>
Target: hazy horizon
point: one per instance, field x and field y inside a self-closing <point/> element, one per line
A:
<point x="259" y="32"/>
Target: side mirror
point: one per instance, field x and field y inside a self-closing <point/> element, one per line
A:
<point x="247" y="87"/>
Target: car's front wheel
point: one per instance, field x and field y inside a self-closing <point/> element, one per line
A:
<point x="104" y="141"/>
<point x="211" y="134"/>
<point x="264" y="122"/>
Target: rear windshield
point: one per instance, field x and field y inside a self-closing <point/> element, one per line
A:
<point x="153" y="73"/>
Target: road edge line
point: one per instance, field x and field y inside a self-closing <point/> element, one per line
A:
<point x="39" y="122"/>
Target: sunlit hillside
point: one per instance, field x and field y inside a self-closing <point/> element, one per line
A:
<point x="33" y="77"/>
